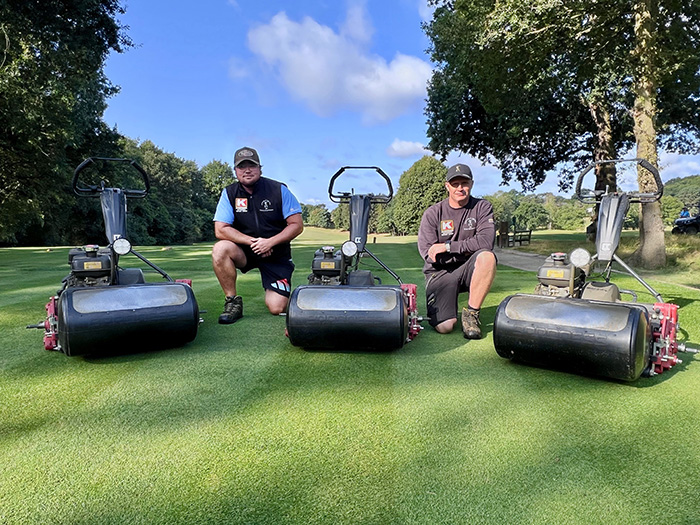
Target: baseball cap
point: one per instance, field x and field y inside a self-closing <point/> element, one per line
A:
<point x="245" y="153"/>
<point x="459" y="170"/>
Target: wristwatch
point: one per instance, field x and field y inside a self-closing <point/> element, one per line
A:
<point x="447" y="245"/>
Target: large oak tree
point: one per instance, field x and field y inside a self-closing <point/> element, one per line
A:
<point x="52" y="96"/>
<point x="534" y="86"/>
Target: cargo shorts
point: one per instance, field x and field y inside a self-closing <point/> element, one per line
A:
<point x="442" y="289"/>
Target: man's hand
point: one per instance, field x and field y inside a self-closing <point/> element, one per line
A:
<point x="262" y="247"/>
<point x="435" y="249"/>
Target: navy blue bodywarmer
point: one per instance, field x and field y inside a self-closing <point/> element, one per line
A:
<point x="260" y="214"/>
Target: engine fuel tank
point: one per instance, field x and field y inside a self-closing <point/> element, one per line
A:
<point x="575" y="335"/>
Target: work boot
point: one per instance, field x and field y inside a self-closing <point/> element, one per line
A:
<point x="470" y="324"/>
<point x="233" y="310"/>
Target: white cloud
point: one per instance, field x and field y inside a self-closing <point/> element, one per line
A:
<point x="331" y="71"/>
<point x="357" y="25"/>
<point x="425" y="11"/>
<point x="404" y="149"/>
<point x="674" y="165"/>
<point x="314" y="202"/>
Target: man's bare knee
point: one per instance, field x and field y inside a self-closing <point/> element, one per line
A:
<point x="225" y="251"/>
<point x="446" y="327"/>
<point x="276" y="303"/>
<point x="486" y="259"/>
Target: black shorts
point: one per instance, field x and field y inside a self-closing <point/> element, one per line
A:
<point x="442" y="289"/>
<point x="275" y="273"/>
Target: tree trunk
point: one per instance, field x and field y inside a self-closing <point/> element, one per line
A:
<point x="652" y="247"/>
<point x="604" y="149"/>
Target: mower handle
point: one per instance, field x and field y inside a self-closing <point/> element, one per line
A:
<point x="94" y="191"/>
<point x="345" y="197"/>
<point x="634" y="196"/>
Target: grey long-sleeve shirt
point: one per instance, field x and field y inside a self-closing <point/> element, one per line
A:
<point x="469" y="228"/>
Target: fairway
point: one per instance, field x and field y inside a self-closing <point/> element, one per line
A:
<point x="240" y="426"/>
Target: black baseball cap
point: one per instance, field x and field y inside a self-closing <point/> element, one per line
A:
<point x="459" y="170"/>
<point x="245" y="153"/>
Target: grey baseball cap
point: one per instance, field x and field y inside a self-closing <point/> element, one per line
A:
<point x="459" y="170"/>
<point x="245" y="153"/>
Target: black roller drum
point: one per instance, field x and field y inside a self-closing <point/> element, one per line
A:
<point x="575" y="335"/>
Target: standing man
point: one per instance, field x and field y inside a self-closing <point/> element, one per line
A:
<point x="255" y="221"/>
<point x="455" y="239"/>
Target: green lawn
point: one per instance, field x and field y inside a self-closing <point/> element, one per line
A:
<point x="241" y="427"/>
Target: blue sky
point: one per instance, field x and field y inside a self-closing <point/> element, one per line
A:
<point x="312" y="85"/>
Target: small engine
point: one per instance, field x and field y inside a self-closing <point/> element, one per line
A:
<point x="559" y="278"/>
<point x="326" y="266"/>
<point x="90" y="266"/>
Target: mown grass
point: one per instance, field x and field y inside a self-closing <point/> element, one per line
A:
<point x="241" y="427"/>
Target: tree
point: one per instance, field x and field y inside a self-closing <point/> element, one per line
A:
<point x="671" y="208"/>
<point x="182" y="201"/>
<point x="569" y="215"/>
<point x="504" y="204"/>
<point x="52" y="96"/>
<point x="319" y="216"/>
<point x="687" y="189"/>
<point x="379" y="218"/>
<point x="216" y="175"/>
<point x="513" y="86"/>
<point x="385" y="220"/>
<point x="340" y="216"/>
<point x="532" y="85"/>
<point x="644" y="112"/>
<point x="421" y="186"/>
<point x="530" y="214"/>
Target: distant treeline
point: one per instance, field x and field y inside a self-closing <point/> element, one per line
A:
<point x="178" y="210"/>
<point x="423" y="185"/>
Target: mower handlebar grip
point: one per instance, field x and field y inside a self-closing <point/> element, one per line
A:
<point x="655" y="195"/>
<point x="634" y="196"/>
<point x="579" y="183"/>
<point x="344" y="197"/>
<point x="93" y="191"/>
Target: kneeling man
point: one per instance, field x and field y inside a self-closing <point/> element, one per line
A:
<point x="456" y="239"/>
<point x="255" y="220"/>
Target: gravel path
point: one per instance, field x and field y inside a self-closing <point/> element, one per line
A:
<point x="519" y="260"/>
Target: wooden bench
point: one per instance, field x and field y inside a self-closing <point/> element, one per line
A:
<point x="519" y="236"/>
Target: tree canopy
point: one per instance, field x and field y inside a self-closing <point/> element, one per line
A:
<point x="422" y="185"/>
<point x="686" y="189"/>
<point x="529" y="86"/>
<point x="52" y="96"/>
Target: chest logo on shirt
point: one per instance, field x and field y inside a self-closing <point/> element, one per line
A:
<point x="447" y="227"/>
<point x="470" y="223"/>
<point x="266" y="205"/>
<point x="241" y="205"/>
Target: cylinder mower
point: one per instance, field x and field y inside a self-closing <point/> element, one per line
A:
<point x="104" y="308"/>
<point x="344" y="306"/>
<point x="582" y="325"/>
